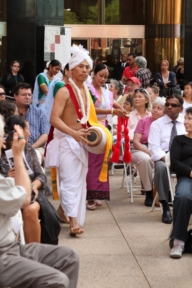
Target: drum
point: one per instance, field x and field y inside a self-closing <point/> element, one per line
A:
<point x="97" y="140"/>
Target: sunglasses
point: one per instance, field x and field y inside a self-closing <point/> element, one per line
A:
<point x="172" y="105"/>
<point x="142" y="90"/>
<point x="2" y="93"/>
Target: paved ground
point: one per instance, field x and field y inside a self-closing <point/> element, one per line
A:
<point x="125" y="246"/>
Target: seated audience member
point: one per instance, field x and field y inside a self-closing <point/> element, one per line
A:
<point x="153" y="91"/>
<point x="116" y="87"/>
<point x="132" y="84"/>
<point x="128" y="106"/>
<point x="142" y="107"/>
<point x="8" y="108"/>
<point x="187" y="97"/>
<point x="143" y="73"/>
<point x="180" y="73"/>
<point x="140" y="154"/>
<point x="181" y="164"/>
<point x="39" y="125"/>
<point x="179" y="61"/>
<point x="31" y="265"/>
<point x="30" y="214"/>
<point x="161" y="134"/>
<point x="10" y="79"/>
<point x="2" y="93"/>
<point x="165" y="79"/>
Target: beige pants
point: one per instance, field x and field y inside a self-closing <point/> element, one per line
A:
<point x="145" y="167"/>
<point x="38" y="265"/>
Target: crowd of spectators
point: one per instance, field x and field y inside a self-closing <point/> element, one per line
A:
<point x="160" y="122"/>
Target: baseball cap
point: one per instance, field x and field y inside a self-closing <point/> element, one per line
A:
<point x="135" y="80"/>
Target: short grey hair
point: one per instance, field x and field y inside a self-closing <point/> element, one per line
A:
<point x="118" y="85"/>
<point x="147" y="96"/>
<point x="159" y="101"/>
<point x="141" y="62"/>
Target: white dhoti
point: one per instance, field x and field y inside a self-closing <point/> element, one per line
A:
<point x="71" y="158"/>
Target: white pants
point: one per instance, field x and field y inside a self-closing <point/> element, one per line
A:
<point x="73" y="168"/>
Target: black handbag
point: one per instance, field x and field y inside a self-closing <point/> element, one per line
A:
<point x="50" y="221"/>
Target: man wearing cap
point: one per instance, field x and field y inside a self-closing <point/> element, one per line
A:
<point x="66" y="151"/>
<point x="132" y="84"/>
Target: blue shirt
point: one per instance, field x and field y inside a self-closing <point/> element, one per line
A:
<point x="38" y="123"/>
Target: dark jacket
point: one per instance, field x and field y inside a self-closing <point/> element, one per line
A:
<point x="118" y="70"/>
<point x="159" y="80"/>
<point x="9" y="81"/>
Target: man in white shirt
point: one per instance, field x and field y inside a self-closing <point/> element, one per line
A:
<point x="161" y="134"/>
<point x="34" y="264"/>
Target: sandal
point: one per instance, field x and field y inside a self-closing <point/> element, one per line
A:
<point x="91" y="206"/>
<point x="76" y="231"/>
<point x="98" y="203"/>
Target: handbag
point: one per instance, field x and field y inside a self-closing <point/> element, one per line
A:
<point x="50" y="221"/>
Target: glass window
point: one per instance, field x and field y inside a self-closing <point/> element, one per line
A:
<point x="104" y="12"/>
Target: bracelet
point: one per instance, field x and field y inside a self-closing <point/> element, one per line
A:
<point x="112" y="111"/>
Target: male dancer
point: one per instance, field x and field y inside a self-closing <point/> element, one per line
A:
<point x="69" y="140"/>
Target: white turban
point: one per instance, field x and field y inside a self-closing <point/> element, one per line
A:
<point x="79" y="54"/>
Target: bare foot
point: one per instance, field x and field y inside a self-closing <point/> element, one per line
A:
<point x="74" y="227"/>
<point x="63" y="218"/>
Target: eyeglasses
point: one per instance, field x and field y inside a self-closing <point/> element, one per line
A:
<point x="26" y="94"/>
<point x="167" y="104"/>
<point x="2" y="93"/>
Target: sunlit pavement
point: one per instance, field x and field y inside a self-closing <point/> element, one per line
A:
<point x="126" y="245"/>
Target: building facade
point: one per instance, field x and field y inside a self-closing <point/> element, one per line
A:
<point x="156" y="29"/>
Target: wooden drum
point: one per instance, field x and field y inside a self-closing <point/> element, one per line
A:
<point x="97" y="140"/>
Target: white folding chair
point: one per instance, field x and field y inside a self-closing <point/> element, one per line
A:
<point x="17" y="223"/>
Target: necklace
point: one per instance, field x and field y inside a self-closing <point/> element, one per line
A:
<point x="50" y="78"/>
<point x="85" y="117"/>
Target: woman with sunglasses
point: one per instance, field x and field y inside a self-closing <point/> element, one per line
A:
<point x="44" y="85"/>
<point x="140" y="154"/>
<point x="142" y="108"/>
<point x="13" y="77"/>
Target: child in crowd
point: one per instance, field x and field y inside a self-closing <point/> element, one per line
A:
<point x="128" y="106"/>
